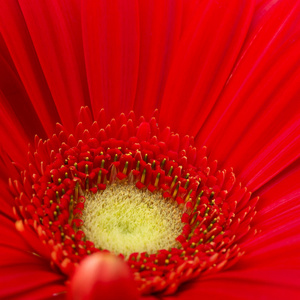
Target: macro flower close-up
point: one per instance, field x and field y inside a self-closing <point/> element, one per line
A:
<point x="149" y="149"/>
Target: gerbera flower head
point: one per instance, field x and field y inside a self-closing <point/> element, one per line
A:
<point x="188" y="114"/>
<point x="138" y="191"/>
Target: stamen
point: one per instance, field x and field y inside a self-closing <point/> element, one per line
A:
<point x="174" y="181"/>
<point x="125" y="168"/>
<point x="143" y="176"/>
<point x="99" y="177"/>
<point x="138" y="165"/>
<point x="163" y="164"/>
<point x="157" y="180"/>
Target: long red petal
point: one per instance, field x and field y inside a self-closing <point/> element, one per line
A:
<point x="111" y="48"/>
<point x="23" y="55"/>
<point x="203" y="63"/>
<point x="50" y="26"/>
<point x="160" y="28"/>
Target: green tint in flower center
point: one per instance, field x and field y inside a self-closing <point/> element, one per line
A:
<point x="124" y="219"/>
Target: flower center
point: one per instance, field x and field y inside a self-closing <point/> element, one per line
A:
<point x="124" y="219"/>
<point x="138" y="191"/>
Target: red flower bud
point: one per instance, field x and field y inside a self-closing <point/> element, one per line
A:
<point x="102" y="276"/>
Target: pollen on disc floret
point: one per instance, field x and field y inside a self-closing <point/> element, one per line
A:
<point x="124" y="219"/>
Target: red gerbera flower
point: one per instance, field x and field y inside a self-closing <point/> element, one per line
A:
<point x="226" y="73"/>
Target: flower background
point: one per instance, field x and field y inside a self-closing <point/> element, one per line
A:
<point x="226" y="72"/>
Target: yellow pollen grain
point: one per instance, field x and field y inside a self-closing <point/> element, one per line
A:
<point x="124" y="219"/>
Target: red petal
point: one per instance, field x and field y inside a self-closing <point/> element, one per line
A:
<point x="58" y="50"/>
<point x="203" y="62"/>
<point x="22" y="279"/>
<point x="111" y="37"/>
<point x="249" y="284"/>
<point x="259" y="101"/>
<point x="160" y="24"/>
<point x="22" y="51"/>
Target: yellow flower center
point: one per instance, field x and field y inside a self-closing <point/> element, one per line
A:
<point x="124" y="219"/>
